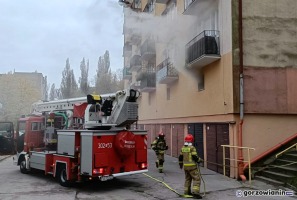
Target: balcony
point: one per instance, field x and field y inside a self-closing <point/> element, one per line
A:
<point x="166" y="73"/>
<point x="136" y="6"/>
<point x="147" y="80"/>
<point x="148" y="50"/>
<point x="126" y="73"/>
<point x="150" y="6"/>
<point x="203" y="49"/>
<point x="192" y="7"/>
<point x="127" y="50"/>
<point x="148" y="84"/>
<point x="135" y="63"/>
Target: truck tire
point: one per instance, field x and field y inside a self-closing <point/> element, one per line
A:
<point x="23" y="166"/>
<point x="62" y="176"/>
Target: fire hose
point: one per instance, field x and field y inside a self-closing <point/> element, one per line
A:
<point x="170" y="188"/>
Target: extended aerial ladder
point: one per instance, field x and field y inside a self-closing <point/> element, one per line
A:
<point x="117" y="109"/>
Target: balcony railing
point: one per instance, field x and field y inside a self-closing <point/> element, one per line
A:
<point x="127" y="50"/>
<point x="203" y="49"/>
<point x="148" y="83"/>
<point x="136" y="5"/>
<point x="150" y="6"/>
<point x="147" y="78"/>
<point x="148" y="50"/>
<point x="166" y="73"/>
<point x="191" y="6"/>
<point x="135" y="63"/>
<point x="126" y="73"/>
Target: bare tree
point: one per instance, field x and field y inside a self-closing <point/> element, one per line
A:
<point x="52" y="94"/>
<point x="68" y="85"/>
<point x="83" y="80"/>
<point x="103" y="77"/>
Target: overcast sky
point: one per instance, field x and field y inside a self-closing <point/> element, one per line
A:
<point x="39" y="35"/>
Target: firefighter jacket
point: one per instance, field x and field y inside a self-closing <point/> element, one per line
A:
<point x="159" y="146"/>
<point x="188" y="157"/>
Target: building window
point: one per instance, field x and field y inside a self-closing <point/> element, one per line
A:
<point x="168" y="93"/>
<point x="200" y="82"/>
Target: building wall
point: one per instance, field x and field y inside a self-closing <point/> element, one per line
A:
<point x="171" y="108"/>
<point x="217" y="97"/>
<point x="270" y="29"/>
<point x="185" y="100"/>
<point x="269" y="69"/>
<point x="270" y="90"/>
<point x="270" y="56"/>
<point x="269" y="38"/>
<point x="18" y="91"/>
<point x="35" y="79"/>
<point x="265" y="131"/>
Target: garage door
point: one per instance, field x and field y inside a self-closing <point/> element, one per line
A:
<point x="177" y="138"/>
<point x="217" y="135"/>
<point x="196" y="129"/>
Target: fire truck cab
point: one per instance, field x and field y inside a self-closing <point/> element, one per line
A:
<point x="83" y="139"/>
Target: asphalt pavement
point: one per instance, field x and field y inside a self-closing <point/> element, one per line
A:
<point x="217" y="186"/>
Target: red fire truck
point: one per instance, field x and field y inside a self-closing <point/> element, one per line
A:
<point x="83" y="139"/>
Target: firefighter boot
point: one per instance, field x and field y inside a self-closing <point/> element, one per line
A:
<point x="161" y="166"/>
<point x="197" y="196"/>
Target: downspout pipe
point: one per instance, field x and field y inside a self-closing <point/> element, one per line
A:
<point x="241" y="103"/>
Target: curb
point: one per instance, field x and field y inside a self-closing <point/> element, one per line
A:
<point x="4" y="157"/>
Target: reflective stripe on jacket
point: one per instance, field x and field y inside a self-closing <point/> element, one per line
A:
<point x="187" y="152"/>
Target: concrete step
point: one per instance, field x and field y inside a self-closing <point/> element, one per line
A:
<point x="288" y="170"/>
<point x="289" y="156"/>
<point x="284" y="168"/>
<point x="269" y="180"/>
<point x="288" y="163"/>
<point x="276" y="175"/>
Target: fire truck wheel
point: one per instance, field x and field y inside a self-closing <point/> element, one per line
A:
<point x="62" y="177"/>
<point x="23" y="166"/>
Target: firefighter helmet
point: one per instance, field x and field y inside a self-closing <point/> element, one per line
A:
<point x="161" y="135"/>
<point x="189" y="138"/>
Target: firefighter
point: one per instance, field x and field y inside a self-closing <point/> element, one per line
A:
<point x="159" y="146"/>
<point x="188" y="160"/>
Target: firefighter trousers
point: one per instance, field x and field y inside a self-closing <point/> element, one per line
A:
<point x="159" y="162"/>
<point x="192" y="175"/>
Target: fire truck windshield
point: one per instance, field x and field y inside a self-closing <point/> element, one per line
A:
<point x="5" y="129"/>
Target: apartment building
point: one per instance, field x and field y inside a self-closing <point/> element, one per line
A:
<point x="223" y="70"/>
<point x="18" y="90"/>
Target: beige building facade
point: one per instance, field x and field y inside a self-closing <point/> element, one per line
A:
<point x="222" y="70"/>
